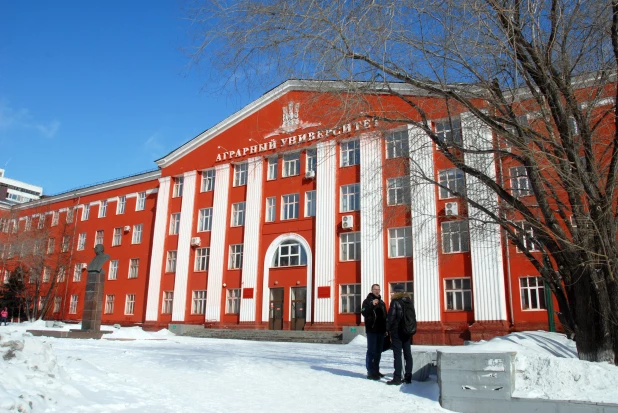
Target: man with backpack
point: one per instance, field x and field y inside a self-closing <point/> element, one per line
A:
<point x="374" y="311"/>
<point x="401" y="326"/>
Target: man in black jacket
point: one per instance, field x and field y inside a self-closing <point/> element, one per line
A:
<point x="399" y="338"/>
<point x="374" y="311"/>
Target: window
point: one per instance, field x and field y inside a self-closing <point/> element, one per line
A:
<point x="16" y="223"/>
<point x="121" y="205"/>
<point x="408" y="287"/>
<point x="199" y="302"/>
<point x="51" y="245"/>
<point x="350" y="197"/>
<point x="171" y="261"/>
<point x="289" y="206"/>
<point x="85" y="213"/>
<point x="397" y="145"/>
<point x="102" y="209"/>
<point x="202" y="256"/>
<point x="28" y="225"/>
<point x="350" y="153"/>
<point x="55" y="218"/>
<point x="57" y="304"/>
<point x="453" y="179"/>
<point x="235" y="256"/>
<point x="70" y="213"/>
<point x="61" y="274"/>
<point x="310" y="203"/>
<point x="140" y="205"/>
<point x="240" y="174"/>
<point x="129" y="306"/>
<point x="520" y="183"/>
<point x="174" y="223"/>
<point x="205" y="220"/>
<point x="41" y="222"/>
<point x="350" y="246"/>
<point x="117" y="240"/>
<point x="109" y="303"/>
<point x="449" y="131"/>
<point x="311" y="160"/>
<point x="178" y="184"/>
<point x="272" y="169"/>
<point x="168" y="300"/>
<point x="398" y="191"/>
<point x="233" y="301"/>
<point x="133" y="267"/>
<point x="66" y="241"/>
<point x="528" y="236"/>
<point x="532" y="293"/>
<point x="458" y="294"/>
<point x="77" y="272"/>
<point x="289" y="254"/>
<point x="238" y="214"/>
<point x="291" y="164"/>
<point x="455" y="237"/>
<point x="271" y="205"/>
<point x="573" y="128"/>
<point x="137" y="234"/>
<point x="208" y="180"/>
<point x="46" y="274"/>
<point x="98" y="239"/>
<point x="350" y="298"/>
<point x="400" y="242"/>
<point x="81" y="241"/>
<point x="73" y="304"/>
<point x="113" y="270"/>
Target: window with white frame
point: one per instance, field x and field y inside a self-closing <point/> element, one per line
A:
<point x="532" y="291"/>
<point x="573" y="128"/>
<point x="73" y="304"/>
<point x="129" y="304"/>
<point x="137" y="234"/>
<point x="350" y="197"/>
<point x="202" y="256"/>
<point x="174" y="223"/>
<point x="273" y="165"/>
<point x="208" y="180"/>
<point x="98" y="239"/>
<point x="77" y="272"/>
<point x="205" y="220"/>
<point x="55" y="218"/>
<point x="109" y="303"/>
<point x="236" y="251"/>
<point x="291" y="164"/>
<point x="102" y="209"/>
<point x="51" y="245"/>
<point x="453" y="181"/>
<point x="168" y="302"/>
<point x="520" y="184"/>
<point x="28" y="225"/>
<point x="57" y="304"/>
<point x="70" y="213"/>
<point x="240" y="174"/>
<point x="397" y="144"/>
<point x="199" y="302"/>
<point x="449" y="131"/>
<point x="46" y="274"/>
<point x="310" y="204"/>
<point x="350" y="298"/>
<point x="81" y="241"/>
<point x="455" y="236"/>
<point x="398" y="192"/>
<point x="61" y="274"/>
<point x="311" y="159"/>
<point x="289" y="206"/>
<point x="271" y="208"/>
<point x="121" y="204"/>
<point x="178" y="185"/>
<point x="117" y="239"/>
<point x="113" y="270"/>
<point x="527" y="236"/>
<point x="85" y="212"/>
<point x="40" y="226"/>
<point x="233" y="301"/>
<point x="15" y="223"/>
<point x="350" y="153"/>
<point x="133" y="267"/>
<point x="350" y="243"/>
<point x="40" y="305"/>
<point x="66" y="242"/>
<point x="458" y="294"/>
<point x="238" y="214"/>
<point x="140" y="205"/>
<point x="7" y="276"/>
<point x="408" y="287"/>
<point x="289" y="254"/>
<point x="400" y="242"/>
<point x="171" y="261"/>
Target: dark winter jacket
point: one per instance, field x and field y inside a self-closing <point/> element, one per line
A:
<point x="375" y="315"/>
<point x="395" y="315"/>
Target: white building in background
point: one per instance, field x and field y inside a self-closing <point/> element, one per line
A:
<point x="13" y="191"/>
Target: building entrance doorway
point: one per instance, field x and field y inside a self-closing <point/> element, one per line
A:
<point x="275" y="321"/>
<point x="299" y="307"/>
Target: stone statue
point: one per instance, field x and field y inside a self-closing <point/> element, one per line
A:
<point x="93" y="303"/>
<point x="100" y="258"/>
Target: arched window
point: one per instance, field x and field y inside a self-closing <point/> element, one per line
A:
<point x="289" y="254"/>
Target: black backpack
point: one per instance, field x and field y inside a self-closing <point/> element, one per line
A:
<point x="409" y="318"/>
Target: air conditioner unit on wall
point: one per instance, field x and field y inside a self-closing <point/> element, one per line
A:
<point x="451" y="208"/>
<point x="196" y="241"/>
<point x="347" y="222"/>
<point x="310" y="174"/>
<point x="127" y="228"/>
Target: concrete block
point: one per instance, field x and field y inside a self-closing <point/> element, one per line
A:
<point x="349" y="332"/>
<point x="422" y="362"/>
<point x="182" y="329"/>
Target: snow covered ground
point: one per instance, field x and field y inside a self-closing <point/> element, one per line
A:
<point x="160" y="372"/>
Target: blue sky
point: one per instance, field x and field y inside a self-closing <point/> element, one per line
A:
<point x="96" y="90"/>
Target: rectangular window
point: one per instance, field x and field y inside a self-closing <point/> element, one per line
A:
<point x="66" y="242"/>
<point x="85" y="212"/>
<point x="140" y="205"/>
<point x="273" y="165"/>
<point x="51" y="245"/>
<point x="208" y="180"/>
<point x="350" y="197"/>
<point x="205" y="220"/>
<point x="398" y="191"/>
<point x="291" y="164"/>
<point x="350" y="153"/>
<point x="455" y="237"/>
<point x="240" y="174"/>
<point x="174" y="223"/>
<point x="311" y="160"/>
<point x="199" y="302"/>
<point x="271" y="205"/>
<point x="233" y="301"/>
<point x="137" y="234"/>
<point x="133" y="267"/>
<point x="202" y="256"/>
<point x="70" y="213"/>
<point x="449" y="131"/>
<point x="113" y="270"/>
<point x="168" y="302"/>
<point x="400" y="242"/>
<point x="178" y="184"/>
<point x="102" y="209"/>
<point x="121" y="205"/>
<point x="109" y="303"/>
<point x="310" y="204"/>
<point x="235" y="256"/>
<point x="458" y="294"/>
<point x="397" y="145"/>
<point x="27" y="226"/>
<point x="350" y="298"/>
<point x="55" y="218"/>
<point x="81" y="241"/>
<point x="73" y="304"/>
<point x="289" y="206"/>
<point x="98" y="239"/>
<point x="171" y="261"/>
<point x="129" y="306"/>
<point x="46" y="274"/>
<point x="77" y="272"/>
<point x="41" y="222"/>
<point x="117" y="240"/>
<point x="408" y="287"/>
<point x="453" y="180"/>
<point x="57" y="304"/>
<point x="61" y="274"/>
<point x="532" y="291"/>
<point x="238" y="214"/>
<point x="350" y="246"/>
<point x="520" y="184"/>
<point x="527" y="236"/>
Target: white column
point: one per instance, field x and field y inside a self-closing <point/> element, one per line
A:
<point x="156" y="257"/>
<point x="325" y="236"/>
<point x="251" y="242"/>
<point x="371" y="212"/>
<point x="218" y="243"/>
<point x="425" y="242"/>
<point x="184" y="247"/>
<point x="485" y="240"/>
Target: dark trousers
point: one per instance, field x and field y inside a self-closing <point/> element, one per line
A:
<point x="400" y="343"/>
<point x="3" y="320"/>
<point x="375" y="341"/>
